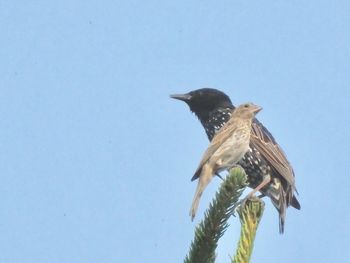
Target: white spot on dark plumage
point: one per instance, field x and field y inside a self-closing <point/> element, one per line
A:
<point x="254" y="164"/>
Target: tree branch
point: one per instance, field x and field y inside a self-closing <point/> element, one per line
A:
<point x="214" y="224"/>
<point x="250" y="214"/>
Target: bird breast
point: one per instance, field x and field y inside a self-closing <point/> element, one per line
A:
<point x="233" y="149"/>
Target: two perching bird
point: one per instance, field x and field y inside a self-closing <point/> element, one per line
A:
<point x="264" y="162"/>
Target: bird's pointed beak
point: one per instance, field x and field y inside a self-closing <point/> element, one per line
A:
<point x="183" y="97"/>
<point x="256" y="109"/>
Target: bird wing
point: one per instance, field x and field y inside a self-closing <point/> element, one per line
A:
<point x="223" y="134"/>
<point x="264" y="142"/>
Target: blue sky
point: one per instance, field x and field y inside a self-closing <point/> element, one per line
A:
<point x="96" y="160"/>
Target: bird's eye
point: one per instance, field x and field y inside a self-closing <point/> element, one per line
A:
<point x="246" y="105"/>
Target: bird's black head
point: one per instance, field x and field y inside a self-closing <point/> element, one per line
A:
<point x="204" y="101"/>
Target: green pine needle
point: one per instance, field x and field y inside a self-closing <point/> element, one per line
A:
<point x="214" y="224"/>
<point x="250" y="213"/>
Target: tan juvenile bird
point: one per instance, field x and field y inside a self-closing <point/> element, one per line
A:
<point x="226" y="149"/>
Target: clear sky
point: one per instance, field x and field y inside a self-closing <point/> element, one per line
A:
<point x="96" y="159"/>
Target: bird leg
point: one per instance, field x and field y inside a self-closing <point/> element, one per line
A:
<point x="266" y="180"/>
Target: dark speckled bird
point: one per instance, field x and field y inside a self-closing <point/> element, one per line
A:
<point x="265" y="163"/>
<point x="226" y="149"/>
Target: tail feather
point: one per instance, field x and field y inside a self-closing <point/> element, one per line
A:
<point x="282" y="216"/>
<point x="276" y="193"/>
<point x="197" y="174"/>
<point x="295" y="203"/>
<point x="204" y="179"/>
<point x="281" y="199"/>
<point x="281" y="207"/>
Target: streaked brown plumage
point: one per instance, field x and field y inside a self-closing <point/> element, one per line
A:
<point x="226" y="149"/>
<point x="265" y="163"/>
